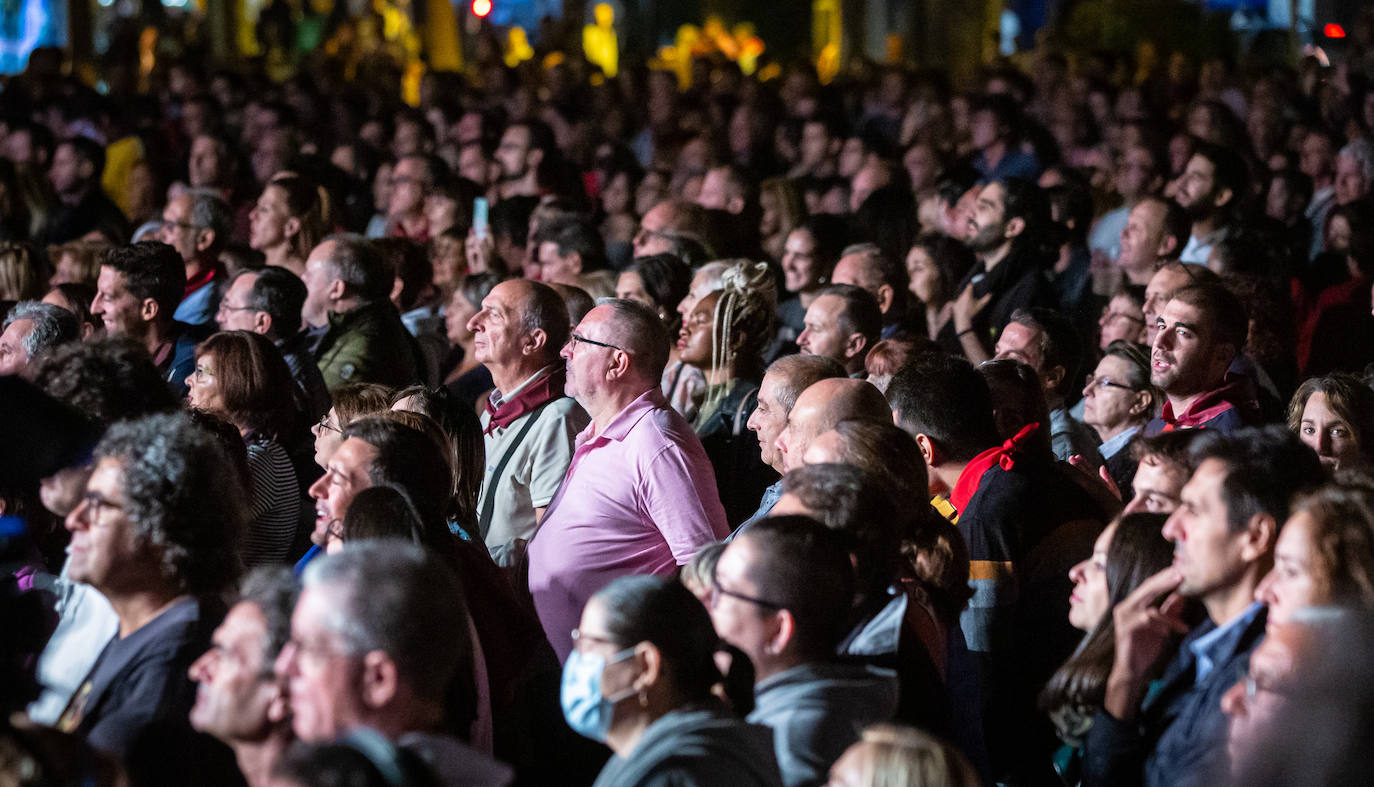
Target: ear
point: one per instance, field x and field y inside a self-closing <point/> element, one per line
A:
<point x="336" y="289"/>
<point x="205" y="239"/>
<point x="534" y="158"/>
<point x="784" y="632"/>
<point x="575" y="262"/>
<point x="734" y="205"/>
<point x="929" y="450"/>
<point x="1053" y="377"/>
<point x="1258" y="539"/>
<point x="1223" y="198"/>
<point x="886" y="297"/>
<point x="534" y="341"/>
<point x="279" y="707"/>
<point x="651" y="666"/>
<point x="380" y="681"/>
<point x="292" y="226"/>
<point x="148" y="311"/>
<point x="619" y="365"/>
<point x="1015" y="227"/>
<point x="1167" y="246"/>
<point x="854" y="345"/>
<point x="262" y="322"/>
<point x="1142" y="401"/>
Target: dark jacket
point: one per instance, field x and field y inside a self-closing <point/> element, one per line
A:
<point x="741" y="475"/>
<point x="95" y="212"/>
<point x="1179" y="738"/>
<point x="697" y="745"/>
<point x="1232" y="405"/>
<point x="1017" y="282"/>
<point x="179" y="365"/>
<point x="369" y="344"/>
<point x="818" y="710"/>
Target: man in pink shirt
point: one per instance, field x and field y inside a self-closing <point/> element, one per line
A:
<point x="640" y="496"/>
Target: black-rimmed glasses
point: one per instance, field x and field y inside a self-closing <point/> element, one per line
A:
<point x="1102" y="382"/>
<point x="575" y="339"/>
<point x="716" y="588"/>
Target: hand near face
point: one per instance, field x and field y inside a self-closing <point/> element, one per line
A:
<point x="1146" y="623"/>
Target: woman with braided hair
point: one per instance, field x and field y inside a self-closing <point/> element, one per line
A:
<point x="724" y="336"/>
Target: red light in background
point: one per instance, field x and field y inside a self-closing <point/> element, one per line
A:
<point x="480" y="8"/>
<point x="1333" y="30"/>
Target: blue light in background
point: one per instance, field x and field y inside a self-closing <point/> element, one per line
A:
<point x="28" y="24"/>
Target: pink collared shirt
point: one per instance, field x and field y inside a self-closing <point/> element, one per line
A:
<point x="639" y="498"/>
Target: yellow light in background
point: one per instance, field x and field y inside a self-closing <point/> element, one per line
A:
<point x="518" y="48"/>
<point x="599" y="42"/>
<point x="410" y="83"/>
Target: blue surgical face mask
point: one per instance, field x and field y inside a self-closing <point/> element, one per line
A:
<point x="587" y="712"/>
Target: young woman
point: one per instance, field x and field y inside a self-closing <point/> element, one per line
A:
<point x="1335" y="416"/>
<point x="239" y="377"/>
<point x="640" y="679"/>
<point x="1325" y="552"/>
<point x="287" y="221"/>
<point x="935" y="266"/>
<point x="1127" y="553"/>
<point x="808" y="255"/>
<point x="723" y="337"/>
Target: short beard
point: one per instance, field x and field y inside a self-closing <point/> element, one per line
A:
<point x="987" y="239"/>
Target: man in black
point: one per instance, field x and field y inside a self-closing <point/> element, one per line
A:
<point x="157" y="535"/>
<point x="75" y="175"/>
<point x="1007" y="232"/>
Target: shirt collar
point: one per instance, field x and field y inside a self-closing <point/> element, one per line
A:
<point x="499" y="396"/>
<point x="626" y="419"/>
<point x="1219" y="643"/>
<point x="1109" y="448"/>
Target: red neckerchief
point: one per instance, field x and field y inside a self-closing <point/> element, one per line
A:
<point x="199" y="280"/>
<point x="1234" y="392"/>
<point x="547" y="388"/>
<point x="1003" y="456"/>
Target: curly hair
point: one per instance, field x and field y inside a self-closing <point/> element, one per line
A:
<point x="181" y="509"/>
<point x="109" y="379"/>
<point x="744" y="315"/>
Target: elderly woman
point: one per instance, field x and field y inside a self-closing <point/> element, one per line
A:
<point x="1118" y="400"/>
<point x="1335" y="416"/>
<point x="640" y="679"/>
<point x="1325" y="552"/>
<point x="723" y="338"/>
<point x="239" y="377"/>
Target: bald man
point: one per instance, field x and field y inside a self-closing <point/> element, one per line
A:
<point x="823" y="405"/>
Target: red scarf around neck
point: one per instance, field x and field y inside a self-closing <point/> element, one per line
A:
<point x="545" y="389"/>
<point x="1003" y="456"/>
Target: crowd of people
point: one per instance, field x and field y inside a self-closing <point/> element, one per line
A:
<point x="623" y="431"/>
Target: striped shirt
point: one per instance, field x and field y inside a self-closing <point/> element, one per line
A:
<point x="275" y="507"/>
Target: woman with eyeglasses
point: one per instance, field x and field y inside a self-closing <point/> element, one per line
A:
<point x="239" y="376"/>
<point x="1118" y="400"/>
<point x="640" y="679"/>
<point x="351" y="402"/>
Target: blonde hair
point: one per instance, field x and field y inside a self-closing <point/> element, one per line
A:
<point x="906" y="757"/>
<point x="86" y="255"/>
<point x="21" y="278"/>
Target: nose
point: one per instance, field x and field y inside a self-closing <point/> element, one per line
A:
<point x="1324" y="443"/>
<point x="804" y="338"/>
<point x="317" y="489"/>
<point x="76" y="520"/>
<point x="285" y="665"/>
<point x="200" y="668"/>
<point x="1088" y="388"/>
<point x="473" y="323"/>
<point x="1076" y="573"/>
<point x="1172" y="530"/>
<point x="1264" y="591"/>
<point x="566" y="352"/>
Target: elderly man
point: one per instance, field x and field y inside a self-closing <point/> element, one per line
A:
<point x="157" y="539"/>
<point x="366" y="342"/>
<point x="784" y="381"/>
<point x="528" y="424"/>
<point x="197" y="223"/>
<point x="358" y="657"/>
<point x="823" y="405"/>
<point x="32" y="328"/>
<point x="843" y="322"/>
<point x="137" y="293"/>
<point x="240" y="700"/>
<point x="269" y="302"/>
<point x="640" y="496"/>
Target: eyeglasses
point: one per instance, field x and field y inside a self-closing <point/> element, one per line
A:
<point x="324" y="425"/>
<point x="578" y="635"/>
<point x="717" y="589"/>
<point x="95" y="502"/>
<point x="184" y="225"/>
<point x="1103" y="382"/>
<point x="224" y="307"/>
<point x="575" y="339"/>
<point x="201" y="374"/>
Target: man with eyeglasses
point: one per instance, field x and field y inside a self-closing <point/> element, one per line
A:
<point x="158" y="539"/>
<point x="782" y="593"/>
<point x="239" y="698"/>
<point x="640" y="495"/>
<point x="411" y="180"/>
<point x="269" y="302"/>
<point x="197" y="223"/>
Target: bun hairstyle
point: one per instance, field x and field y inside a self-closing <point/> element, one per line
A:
<point x="744" y="319"/>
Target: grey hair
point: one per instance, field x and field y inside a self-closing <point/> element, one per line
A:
<point x="395" y="597"/>
<point x="358" y="263"/>
<point x="641" y="332"/>
<point x="209" y="211"/>
<point x="273" y="590"/>
<point x="182" y="510"/>
<point x="52" y="325"/>
<point x="1362" y="152"/>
